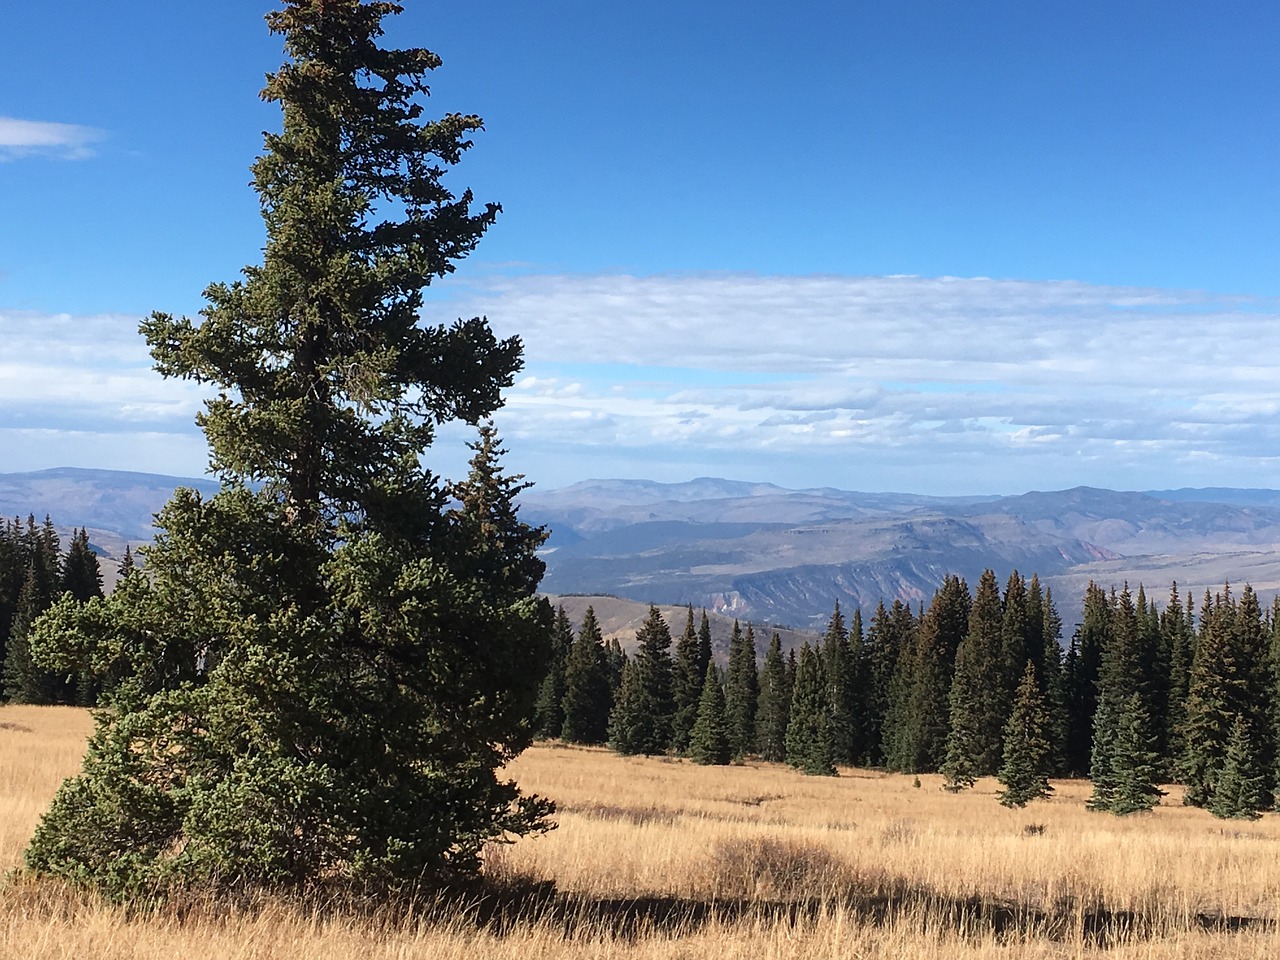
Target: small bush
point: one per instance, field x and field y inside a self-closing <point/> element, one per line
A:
<point x="764" y="868"/>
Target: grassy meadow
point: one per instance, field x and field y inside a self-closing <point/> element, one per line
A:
<point x="657" y="858"/>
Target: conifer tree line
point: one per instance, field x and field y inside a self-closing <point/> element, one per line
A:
<point x="976" y="683"/>
<point x="35" y="572"/>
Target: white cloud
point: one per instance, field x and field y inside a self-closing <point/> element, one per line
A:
<point x="935" y="385"/>
<point x="70" y="141"/>
<point x="1110" y="385"/>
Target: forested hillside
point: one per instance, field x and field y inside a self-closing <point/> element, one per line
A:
<point x="974" y="683"/>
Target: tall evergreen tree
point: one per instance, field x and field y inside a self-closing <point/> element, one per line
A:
<point x="1050" y="675"/>
<point x="704" y="644"/>
<point x="891" y="629"/>
<point x="641" y="718"/>
<point x="81" y="574"/>
<point x="616" y="660"/>
<point x="808" y="730"/>
<point x="976" y="699"/>
<point x="775" y="704"/>
<point x="743" y="693"/>
<point x="549" y="710"/>
<point x="1126" y="766"/>
<point x="363" y="640"/>
<point x="688" y="682"/>
<point x="1178" y="638"/>
<point x="919" y="741"/>
<point x="588" y="698"/>
<point x="1123" y="724"/>
<point x="709" y="741"/>
<point x="1080" y="676"/>
<point x="1027" y="754"/>
<point x="1240" y="790"/>
<point x="1230" y="681"/>
<point x="1016" y="641"/>
<point x="26" y="679"/>
<point x="838" y="669"/>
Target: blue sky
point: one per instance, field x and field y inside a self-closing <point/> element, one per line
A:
<point x="936" y="247"/>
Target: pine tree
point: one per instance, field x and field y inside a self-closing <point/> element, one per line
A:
<point x="920" y="743"/>
<point x="775" y="704"/>
<point x="808" y="732"/>
<point x="362" y="641"/>
<point x="549" y="709"/>
<point x="1124" y="743"/>
<point x="26" y="678"/>
<point x="838" y="668"/>
<point x="688" y="684"/>
<point x="1027" y="755"/>
<point x="976" y="698"/>
<point x="1016" y="646"/>
<point x="13" y="567"/>
<point x="1240" y="790"/>
<point x="629" y="731"/>
<point x="1127" y="767"/>
<point x="641" y="719"/>
<point x="1080" y="677"/>
<point x="1053" y="681"/>
<point x="704" y="644"/>
<point x="1230" y="681"/>
<point x="1180" y="641"/>
<point x="615" y="659"/>
<point x="81" y="575"/>
<point x="587" y="697"/>
<point x="709" y="739"/>
<point x="743" y="693"/>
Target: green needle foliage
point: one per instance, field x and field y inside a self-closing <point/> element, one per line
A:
<point x="1027" y="754"/>
<point x="326" y="665"/>
<point x="809" y="747"/>
<point x="709" y="741"/>
<point x="1240" y="792"/>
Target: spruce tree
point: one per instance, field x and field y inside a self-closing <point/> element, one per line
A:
<point x="704" y="644"/>
<point x="976" y="698"/>
<point x="549" y="709"/>
<point x="920" y="735"/>
<point x="13" y="566"/>
<point x="688" y="684"/>
<point x="775" y="704"/>
<point x="709" y="741"/>
<point x="1180" y="642"/>
<point x="25" y="678"/>
<point x="587" y="697"/>
<point x="743" y="692"/>
<point x="81" y="575"/>
<point x="1050" y="675"/>
<point x="838" y="669"/>
<point x="629" y="731"/>
<point x="360" y="642"/>
<point x="1230" y="681"/>
<point x="641" y="719"/>
<point x="1126" y="766"/>
<point x="1240" y="790"/>
<point x="1016" y="646"/>
<point x="615" y="659"/>
<point x="1080" y="677"/>
<point x="808" y="729"/>
<point x="1027" y="755"/>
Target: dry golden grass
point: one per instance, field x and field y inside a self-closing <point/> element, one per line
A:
<point x="662" y="859"/>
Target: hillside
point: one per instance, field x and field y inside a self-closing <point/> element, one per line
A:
<point x="763" y="553"/>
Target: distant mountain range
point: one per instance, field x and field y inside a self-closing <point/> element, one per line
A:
<point x="776" y="556"/>
<point x="773" y="555"/>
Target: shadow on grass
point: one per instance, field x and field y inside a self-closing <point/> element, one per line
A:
<point x="505" y="909"/>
